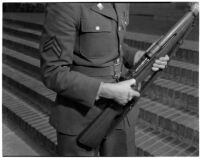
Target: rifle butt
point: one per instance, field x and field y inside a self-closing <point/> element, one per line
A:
<point x="93" y="135"/>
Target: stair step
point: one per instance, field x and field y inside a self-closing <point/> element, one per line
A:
<point x="15" y="26"/>
<point x="22" y="62"/>
<point x="22" y="57"/>
<point x="188" y="52"/>
<point x="170" y="121"/>
<point x="182" y="72"/>
<point x="22" y="33"/>
<point x="28" y="43"/>
<point x="29" y="22"/>
<point x="29" y="86"/>
<point x="41" y="131"/>
<point x="153" y="143"/>
<point x="46" y="134"/>
<point x="18" y="44"/>
<point x="174" y="94"/>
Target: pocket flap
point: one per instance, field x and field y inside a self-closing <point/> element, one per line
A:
<point x="95" y="26"/>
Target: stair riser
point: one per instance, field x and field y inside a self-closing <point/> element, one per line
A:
<point x="169" y="126"/>
<point x="44" y="103"/>
<point x="187" y="55"/>
<point x="24" y="35"/>
<point x="181" y="75"/>
<point x="33" y="52"/>
<point x="24" y="24"/>
<point x="181" y="55"/>
<point x="171" y="97"/>
<point x="32" y="132"/>
<point x="25" y="67"/>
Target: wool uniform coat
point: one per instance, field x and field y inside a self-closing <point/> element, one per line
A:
<point x="80" y="44"/>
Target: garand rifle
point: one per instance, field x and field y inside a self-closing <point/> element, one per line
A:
<point x="168" y="44"/>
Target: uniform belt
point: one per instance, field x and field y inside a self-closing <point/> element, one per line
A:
<point x="113" y="70"/>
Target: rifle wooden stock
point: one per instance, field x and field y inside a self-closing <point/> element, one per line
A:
<point x="92" y="136"/>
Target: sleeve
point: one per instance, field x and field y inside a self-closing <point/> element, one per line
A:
<point x="56" y="51"/>
<point x="128" y="55"/>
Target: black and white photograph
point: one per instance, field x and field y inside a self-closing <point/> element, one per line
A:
<point x="100" y="79"/>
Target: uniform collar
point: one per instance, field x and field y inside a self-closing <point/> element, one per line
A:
<point x="105" y="9"/>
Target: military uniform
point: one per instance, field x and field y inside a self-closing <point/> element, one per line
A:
<point x="82" y="46"/>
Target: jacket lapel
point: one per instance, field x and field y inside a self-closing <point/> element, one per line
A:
<point x="120" y="9"/>
<point x="105" y="9"/>
<point x="122" y="13"/>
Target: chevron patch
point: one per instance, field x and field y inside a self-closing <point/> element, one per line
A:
<point x="53" y="44"/>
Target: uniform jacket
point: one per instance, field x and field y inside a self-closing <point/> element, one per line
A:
<point x="88" y="35"/>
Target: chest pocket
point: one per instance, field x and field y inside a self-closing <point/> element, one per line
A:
<point x="96" y="37"/>
<point x="95" y="26"/>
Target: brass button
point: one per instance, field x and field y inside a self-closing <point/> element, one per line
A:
<point x="97" y="28"/>
<point x="100" y="6"/>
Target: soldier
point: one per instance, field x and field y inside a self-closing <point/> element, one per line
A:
<point x="82" y="52"/>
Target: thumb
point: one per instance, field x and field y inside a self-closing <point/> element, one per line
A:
<point x="131" y="82"/>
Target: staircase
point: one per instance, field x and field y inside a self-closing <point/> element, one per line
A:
<point x="168" y="121"/>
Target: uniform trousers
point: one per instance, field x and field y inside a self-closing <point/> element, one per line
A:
<point x="120" y="142"/>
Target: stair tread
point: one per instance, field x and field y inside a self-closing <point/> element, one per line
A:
<point x="189" y="90"/>
<point x="143" y="37"/>
<point x="158" y="143"/>
<point x="21" y="41"/>
<point x="184" y="65"/>
<point x="22" y="29"/>
<point x="22" y="57"/>
<point x="159" y="109"/>
<point x="30" y="82"/>
<point x="36" y="18"/>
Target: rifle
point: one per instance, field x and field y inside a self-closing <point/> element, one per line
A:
<point x="93" y="135"/>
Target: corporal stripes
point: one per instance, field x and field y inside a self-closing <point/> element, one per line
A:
<point x="52" y="44"/>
